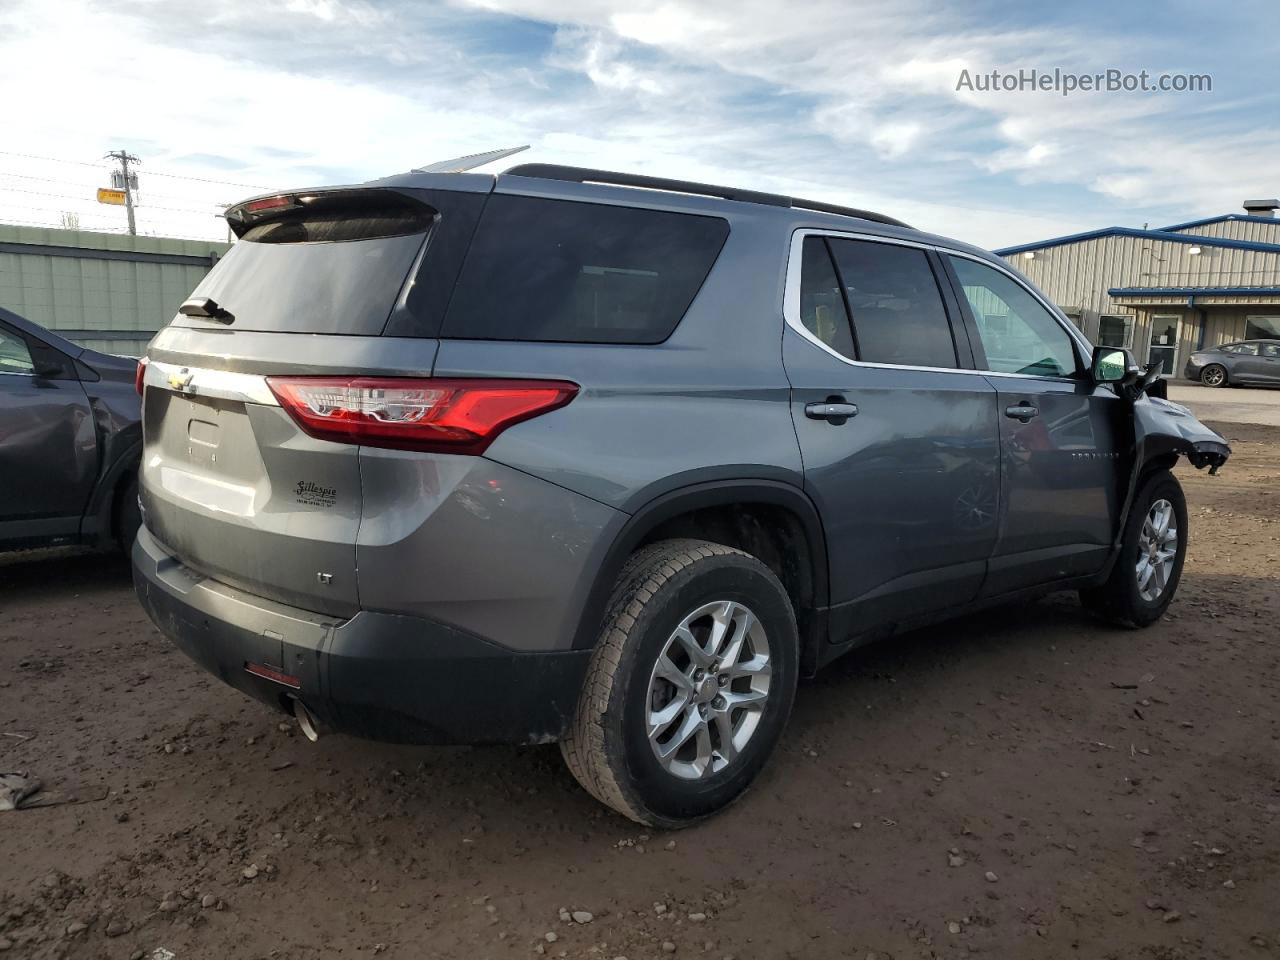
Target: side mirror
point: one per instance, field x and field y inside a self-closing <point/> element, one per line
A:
<point x="1112" y="365"/>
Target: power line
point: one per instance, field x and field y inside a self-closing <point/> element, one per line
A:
<point x="33" y="223"/>
<point x="32" y="156"/>
<point x="213" y="209"/>
<point x="20" y="206"/>
<point x="165" y="217"/>
<point x="62" y="210"/>
<point x="147" y="193"/>
<point x="224" y="183"/>
<point x="27" y="176"/>
<point x="144" y="207"/>
<point x="42" y="193"/>
<point x="150" y="173"/>
<point x="81" y="183"/>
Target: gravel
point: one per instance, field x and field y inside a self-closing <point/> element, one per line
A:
<point x="1052" y="773"/>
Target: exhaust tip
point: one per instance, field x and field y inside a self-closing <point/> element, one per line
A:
<point x="307" y="721"/>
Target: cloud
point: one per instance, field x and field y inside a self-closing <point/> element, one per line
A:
<point x="852" y="102"/>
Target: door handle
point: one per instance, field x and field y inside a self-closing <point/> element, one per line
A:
<point x="1021" y="411"/>
<point x="834" y="411"/>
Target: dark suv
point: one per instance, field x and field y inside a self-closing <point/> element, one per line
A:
<point x="571" y="455"/>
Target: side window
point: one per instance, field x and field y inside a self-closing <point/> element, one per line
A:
<point x="1271" y="350"/>
<point x="558" y="270"/>
<point x="821" y="306"/>
<point x="1248" y="349"/>
<point x="14" y="355"/>
<point x="893" y="297"/>
<point x="1018" y="334"/>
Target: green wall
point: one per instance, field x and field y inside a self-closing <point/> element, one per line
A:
<point x="78" y="293"/>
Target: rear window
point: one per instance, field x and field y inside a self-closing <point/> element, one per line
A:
<point x="555" y="270"/>
<point x="334" y="266"/>
<point x="897" y="310"/>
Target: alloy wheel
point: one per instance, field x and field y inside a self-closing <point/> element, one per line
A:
<point x="708" y="690"/>
<point x="1157" y="550"/>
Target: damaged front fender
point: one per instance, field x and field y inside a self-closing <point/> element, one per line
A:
<point x="1162" y="432"/>
<point x="1162" y="428"/>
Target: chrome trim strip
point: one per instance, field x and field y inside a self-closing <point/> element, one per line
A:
<point x="791" y="302"/>
<point x="199" y="382"/>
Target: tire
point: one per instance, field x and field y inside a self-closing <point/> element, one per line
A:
<point x="128" y="517"/>
<point x="1126" y="599"/>
<point x="661" y="588"/>
<point x="1214" y="375"/>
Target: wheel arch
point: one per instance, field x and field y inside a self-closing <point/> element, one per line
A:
<point x="1163" y="432"/>
<point x="769" y="515"/>
<point x="98" y="526"/>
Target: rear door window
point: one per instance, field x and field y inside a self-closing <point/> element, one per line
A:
<point x="894" y="303"/>
<point x="821" y="304"/>
<point x="333" y="266"/>
<point x="556" y="270"/>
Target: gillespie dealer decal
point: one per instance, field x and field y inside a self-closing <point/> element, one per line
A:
<point x="311" y="494"/>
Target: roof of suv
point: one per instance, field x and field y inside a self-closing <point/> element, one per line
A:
<point x="551" y="171"/>
<point x="583" y="183"/>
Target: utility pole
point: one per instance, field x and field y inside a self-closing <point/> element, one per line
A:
<point x="122" y="179"/>
<point x="231" y="236"/>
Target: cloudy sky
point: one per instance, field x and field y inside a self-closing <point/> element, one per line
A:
<point x="831" y="99"/>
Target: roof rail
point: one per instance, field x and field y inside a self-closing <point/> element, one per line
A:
<point x="553" y="171"/>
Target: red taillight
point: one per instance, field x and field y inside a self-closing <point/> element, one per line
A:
<point x="445" y="416"/>
<point x="271" y="203"/>
<point x="140" y="375"/>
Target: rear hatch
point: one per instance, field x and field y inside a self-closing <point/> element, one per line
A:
<point x="231" y="484"/>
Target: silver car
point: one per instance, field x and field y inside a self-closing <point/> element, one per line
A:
<point x="578" y="456"/>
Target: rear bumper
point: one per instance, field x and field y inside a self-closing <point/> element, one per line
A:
<point x="381" y="676"/>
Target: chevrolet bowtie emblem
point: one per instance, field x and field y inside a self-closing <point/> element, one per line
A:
<point x="180" y="380"/>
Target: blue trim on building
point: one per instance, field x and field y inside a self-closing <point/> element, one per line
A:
<point x="1243" y="217"/>
<point x="1194" y="291"/>
<point x="1147" y="234"/>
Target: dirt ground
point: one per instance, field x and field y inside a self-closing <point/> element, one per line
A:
<point x="1024" y="783"/>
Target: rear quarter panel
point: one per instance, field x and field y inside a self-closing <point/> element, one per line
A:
<point x="479" y="546"/>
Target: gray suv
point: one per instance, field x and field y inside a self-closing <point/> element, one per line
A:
<point x="577" y="456"/>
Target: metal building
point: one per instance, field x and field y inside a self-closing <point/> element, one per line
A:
<point x="1167" y="292"/>
<point x="107" y="291"/>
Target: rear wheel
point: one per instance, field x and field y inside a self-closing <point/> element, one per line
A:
<point x="690" y="685"/>
<point x="1214" y="375"/>
<point x="1147" y="572"/>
